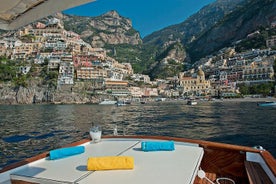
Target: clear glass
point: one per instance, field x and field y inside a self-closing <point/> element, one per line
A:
<point x="225" y="181"/>
<point x="115" y="130"/>
<point x="96" y="133"/>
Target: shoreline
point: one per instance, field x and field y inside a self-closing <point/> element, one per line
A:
<point x="247" y="99"/>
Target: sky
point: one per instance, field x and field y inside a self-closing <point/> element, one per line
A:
<point x="147" y="16"/>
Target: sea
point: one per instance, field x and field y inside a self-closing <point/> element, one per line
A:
<point x="28" y="130"/>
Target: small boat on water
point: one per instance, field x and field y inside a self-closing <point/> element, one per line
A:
<point x="188" y="162"/>
<point x="121" y="103"/>
<point x="267" y="104"/>
<point x="108" y="102"/>
<point x="191" y="102"/>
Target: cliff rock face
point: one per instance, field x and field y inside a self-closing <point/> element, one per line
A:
<point x="10" y="95"/>
<point x="37" y="95"/>
<point x="7" y="95"/>
<point x="109" y="28"/>
<point x="170" y="61"/>
<point x="177" y="53"/>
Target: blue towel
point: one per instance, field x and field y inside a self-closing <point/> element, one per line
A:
<point x="157" y="146"/>
<point x="65" y="152"/>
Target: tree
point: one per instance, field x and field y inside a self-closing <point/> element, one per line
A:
<point x="21" y="81"/>
<point x="7" y="70"/>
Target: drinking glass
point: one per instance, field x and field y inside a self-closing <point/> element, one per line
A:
<point x="96" y="133"/>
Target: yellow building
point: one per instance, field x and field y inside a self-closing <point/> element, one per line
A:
<point x="117" y="87"/>
<point x="195" y="86"/>
<point x="91" y="73"/>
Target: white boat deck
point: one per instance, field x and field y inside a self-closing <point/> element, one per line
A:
<point x="178" y="166"/>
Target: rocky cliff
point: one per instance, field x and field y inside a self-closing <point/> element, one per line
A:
<point x="170" y="62"/>
<point x="21" y="95"/>
<point x="37" y="94"/>
<point x="109" y="28"/>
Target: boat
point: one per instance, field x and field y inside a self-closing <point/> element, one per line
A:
<point x="191" y="102"/>
<point x="267" y="104"/>
<point x="108" y="102"/>
<point x="190" y="162"/>
<point x="121" y="103"/>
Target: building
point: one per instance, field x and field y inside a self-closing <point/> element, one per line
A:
<point x="116" y="87"/>
<point x="271" y="42"/>
<point x="24" y="69"/>
<point x="136" y="92"/>
<point x="150" y="92"/>
<point x="53" y="64"/>
<point x="88" y="73"/>
<point x="195" y="86"/>
<point x="141" y="78"/>
<point x="258" y="72"/>
<point x="66" y="73"/>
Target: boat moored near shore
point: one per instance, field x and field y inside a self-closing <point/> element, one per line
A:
<point x="108" y="102"/>
<point x="191" y="102"/>
<point x="267" y="104"/>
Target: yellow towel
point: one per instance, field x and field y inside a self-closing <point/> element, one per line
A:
<point x="110" y="163"/>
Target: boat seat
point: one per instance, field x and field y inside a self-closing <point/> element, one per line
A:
<point x="255" y="173"/>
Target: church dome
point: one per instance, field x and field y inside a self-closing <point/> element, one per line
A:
<point x="200" y="72"/>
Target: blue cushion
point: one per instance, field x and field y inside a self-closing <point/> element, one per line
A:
<point x="66" y="152"/>
<point x="157" y="146"/>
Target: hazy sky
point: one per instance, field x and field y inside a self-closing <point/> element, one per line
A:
<point x="147" y="16"/>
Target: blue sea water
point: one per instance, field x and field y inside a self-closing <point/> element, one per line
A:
<point x="28" y="130"/>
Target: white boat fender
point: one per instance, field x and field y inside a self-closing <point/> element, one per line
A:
<point x="258" y="147"/>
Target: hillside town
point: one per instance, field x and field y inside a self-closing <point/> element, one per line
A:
<point x="80" y="66"/>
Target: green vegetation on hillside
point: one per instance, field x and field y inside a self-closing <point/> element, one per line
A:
<point x="7" y="69"/>
<point x="170" y="68"/>
<point x="134" y="54"/>
<point x="9" y="72"/>
<point x="264" y="89"/>
<point x="258" y="41"/>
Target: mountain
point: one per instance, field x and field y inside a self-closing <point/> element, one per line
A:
<point x="233" y="27"/>
<point x="168" y="51"/>
<point x="110" y="31"/>
<point x="184" y="33"/>
<point x="215" y="26"/>
<point x="195" y="24"/>
<point x="109" y="28"/>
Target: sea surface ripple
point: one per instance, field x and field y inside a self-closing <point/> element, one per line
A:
<point x="28" y="130"/>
